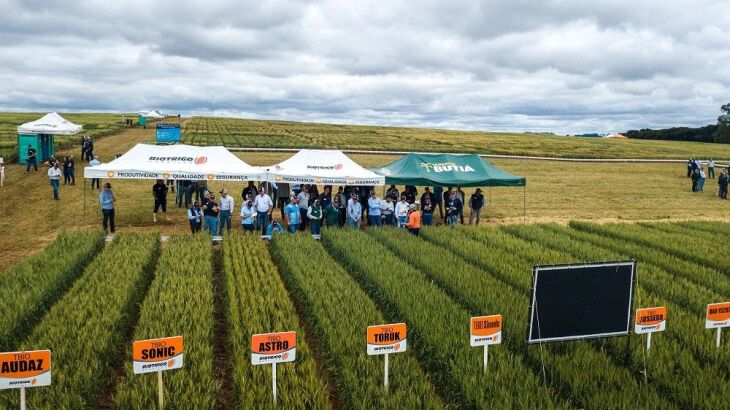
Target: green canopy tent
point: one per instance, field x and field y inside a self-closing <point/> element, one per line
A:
<point x="466" y="170"/>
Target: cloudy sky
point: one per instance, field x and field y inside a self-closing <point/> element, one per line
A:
<point x="564" y="66"/>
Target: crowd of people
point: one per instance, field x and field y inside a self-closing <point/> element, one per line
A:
<point x="696" y="173"/>
<point x="303" y="207"/>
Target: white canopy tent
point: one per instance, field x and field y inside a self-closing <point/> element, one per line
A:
<point x="145" y="161"/>
<point x="152" y="114"/>
<point x="328" y="167"/>
<point x="51" y="123"/>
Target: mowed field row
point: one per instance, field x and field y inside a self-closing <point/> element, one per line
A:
<point x="88" y="310"/>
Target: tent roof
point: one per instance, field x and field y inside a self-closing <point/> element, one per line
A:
<point x="468" y="170"/>
<point x="51" y="123"/>
<point x="152" y="114"/>
<point x="327" y="167"/>
<point x="145" y="161"/>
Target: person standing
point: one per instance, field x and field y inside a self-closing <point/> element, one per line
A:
<point x="462" y="197"/>
<point x="159" y="193"/>
<point x="303" y="201"/>
<point x="202" y="187"/>
<point x="226" y="207"/>
<point x="723" y="181"/>
<point x="249" y="191"/>
<point x="375" y="206"/>
<point x="195" y="217"/>
<point x="354" y="212"/>
<point x="331" y="214"/>
<point x="695" y="180"/>
<point x="476" y="203"/>
<point x="95" y="181"/>
<point x="453" y="208"/>
<point x="326" y="197"/>
<point x="392" y="193"/>
<point x="427" y="194"/>
<point x="292" y="214"/>
<point x="31" y="159"/>
<point x="210" y="210"/>
<point x="711" y="168"/>
<point x="703" y="176"/>
<point x="89" y="148"/>
<point x="107" y="201"/>
<point x="263" y="205"/>
<point x="72" y="169"/>
<point x="690" y="167"/>
<point x="248" y="215"/>
<point x="66" y="174"/>
<point x="83" y="149"/>
<point x="446" y="196"/>
<point x="283" y="193"/>
<point x="427" y="213"/>
<point x="388" y="210"/>
<point x="54" y="175"/>
<point x="342" y="208"/>
<point x="414" y="220"/>
<point x="314" y="213"/>
<point x="401" y="211"/>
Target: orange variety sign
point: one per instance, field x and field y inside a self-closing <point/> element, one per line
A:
<point x="650" y="320"/>
<point x="383" y="339"/>
<point x="273" y="348"/>
<point x="718" y="315"/>
<point x="25" y="369"/>
<point x="485" y="330"/>
<point x="154" y="355"/>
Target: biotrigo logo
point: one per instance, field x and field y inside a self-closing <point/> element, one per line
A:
<point x="445" y="167"/>
<point x="197" y="161"/>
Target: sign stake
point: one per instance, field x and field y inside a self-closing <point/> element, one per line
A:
<point x="486" y="357"/>
<point x="273" y="380"/>
<point x="22" y="398"/>
<point x="648" y="342"/>
<point x="160" y="391"/>
<point x="385" y="381"/>
<point x="719" y="335"/>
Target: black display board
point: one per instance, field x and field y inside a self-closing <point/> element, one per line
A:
<point x="581" y="301"/>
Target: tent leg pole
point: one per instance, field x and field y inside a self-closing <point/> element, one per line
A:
<point x="524" y="205"/>
<point x="84" y="198"/>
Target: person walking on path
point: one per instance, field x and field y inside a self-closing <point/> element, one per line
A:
<point x="107" y="201"/>
<point x="210" y="210"/>
<point x="427" y="213"/>
<point x="95" y="181"/>
<point x="263" y="205"/>
<point x="195" y="217"/>
<point x="722" y="182"/>
<point x="248" y="216"/>
<point x="31" y="159"/>
<point x="414" y="220"/>
<point x="159" y="193"/>
<point x="227" y="205"/>
<point x="375" y="206"/>
<point x="401" y="211"/>
<point x="72" y="169"/>
<point x="54" y="175"/>
<point x="292" y="214"/>
<point x="453" y="208"/>
<point x="303" y="201"/>
<point x="314" y="213"/>
<point x="354" y="212"/>
<point x="331" y="213"/>
<point x="711" y="168"/>
<point x="476" y="203"/>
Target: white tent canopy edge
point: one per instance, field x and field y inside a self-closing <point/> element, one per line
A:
<point x="322" y="167"/>
<point x="51" y="123"/>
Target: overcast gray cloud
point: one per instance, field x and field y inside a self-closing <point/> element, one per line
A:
<point x="562" y="65"/>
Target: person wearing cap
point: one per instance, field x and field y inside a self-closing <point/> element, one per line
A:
<point x="94" y="163"/>
<point x="375" y="207"/>
<point x="476" y="203"/>
<point x="107" y="200"/>
<point x="354" y="212"/>
<point x="159" y="193"/>
<point x="227" y="205"/>
<point x="401" y="211"/>
<point x="414" y="219"/>
<point x="263" y="205"/>
<point x="292" y="214"/>
<point x="314" y="213"/>
<point x="195" y="217"/>
<point x="248" y="216"/>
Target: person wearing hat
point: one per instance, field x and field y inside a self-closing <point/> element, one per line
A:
<point x="375" y="206"/>
<point x="476" y="203"/>
<point x="248" y="216"/>
<point x="195" y="217"/>
<point x="107" y="200"/>
<point x="354" y="212"/>
<point x="414" y="219"/>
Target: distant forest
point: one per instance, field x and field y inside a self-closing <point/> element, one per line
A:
<point x="702" y="134"/>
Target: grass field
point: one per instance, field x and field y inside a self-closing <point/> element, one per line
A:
<point x="329" y="292"/>
<point x="95" y="125"/>
<point x="232" y="132"/>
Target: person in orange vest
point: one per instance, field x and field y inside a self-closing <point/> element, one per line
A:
<point x="414" y="220"/>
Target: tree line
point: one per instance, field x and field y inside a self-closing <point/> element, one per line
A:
<point x="719" y="133"/>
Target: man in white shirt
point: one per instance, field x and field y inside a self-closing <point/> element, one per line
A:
<point x="94" y="163"/>
<point x="263" y="205"/>
<point x="303" y="199"/>
<point x="54" y="175"/>
<point x="226" y="207"/>
<point x="401" y="211"/>
<point x="711" y="168"/>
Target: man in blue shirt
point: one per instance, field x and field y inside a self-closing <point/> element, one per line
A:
<point x="374" y="210"/>
<point x="354" y="212"/>
<point x="274" y="228"/>
<point x="107" y="199"/>
<point x="291" y="212"/>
